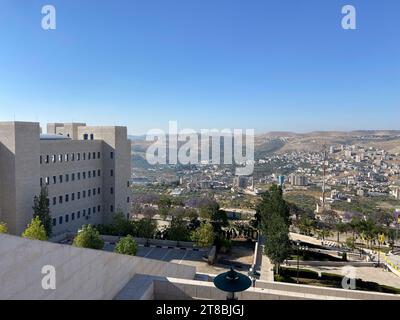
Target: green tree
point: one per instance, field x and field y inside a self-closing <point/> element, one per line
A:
<point x="275" y="222"/>
<point x="204" y="235"/>
<point x="209" y="210"/>
<point x="126" y="245"/>
<point x="277" y="244"/>
<point x="120" y="225"/>
<point x="164" y="206"/>
<point x="41" y="209"/>
<point x="391" y="233"/>
<point x="3" y="227"/>
<point x="306" y="225"/>
<point x="146" y="228"/>
<point x="35" y="230"/>
<point x="178" y="230"/>
<point x="340" y="228"/>
<point x="351" y="243"/>
<point x="88" y="237"/>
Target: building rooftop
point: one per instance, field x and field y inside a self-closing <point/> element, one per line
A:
<point x="53" y="137"/>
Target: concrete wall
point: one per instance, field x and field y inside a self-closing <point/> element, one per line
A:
<point x="168" y="288"/>
<point x="19" y="172"/>
<point x="327" y="292"/>
<point x="331" y="263"/>
<point x="80" y="273"/>
<point x="154" y="242"/>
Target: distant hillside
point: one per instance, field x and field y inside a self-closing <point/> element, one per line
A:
<point x="279" y="142"/>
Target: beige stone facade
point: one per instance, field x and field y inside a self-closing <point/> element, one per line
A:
<point x="85" y="169"/>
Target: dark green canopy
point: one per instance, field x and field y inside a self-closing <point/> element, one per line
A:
<point x="232" y="281"/>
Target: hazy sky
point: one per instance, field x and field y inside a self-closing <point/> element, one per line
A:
<point x="262" y="64"/>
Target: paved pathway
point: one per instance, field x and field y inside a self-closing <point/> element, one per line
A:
<point x="265" y="266"/>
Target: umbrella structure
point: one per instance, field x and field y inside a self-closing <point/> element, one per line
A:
<point x="232" y="282"/>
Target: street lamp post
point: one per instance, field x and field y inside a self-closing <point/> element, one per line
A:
<point x="299" y="248"/>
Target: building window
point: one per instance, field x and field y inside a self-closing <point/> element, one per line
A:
<point x="41" y="182"/>
<point x="53" y="158"/>
<point x="94" y="155"/>
<point x="73" y="216"/>
<point x="60" y="220"/>
<point x="88" y="155"/>
<point x="98" y="155"/>
<point x="60" y="178"/>
<point x="60" y="199"/>
<point x="54" y="179"/>
<point x="111" y="155"/>
<point x="40" y="160"/>
<point x="78" y="215"/>
<point x="89" y="193"/>
<point x="85" y="136"/>
<point x="91" y="136"/>
<point x="89" y="174"/>
<point x="94" y="173"/>
<point x="98" y="190"/>
<point x="79" y="176"/>
<point x="94" y="191"/>
<point x="54" y="201"/>
<point x="72" y="156"/>
<point x="79" y="195"/>
<point x="98" y="173"/>
<point x="112" y="190"/>
<point x="66" y="218"/>
<point x="78" y="156"/>
<point x="89" y="211"/>
<point x="83" y="194"/>
<point x="66" y="198"/>
<point x="73" y="176"/>
<point x="67" y="177"/>
<point x="54" y="222"/>
<point x="112" y="208"/>
<point x="112" y="173"/>
<point x="128" y="199"/>
<point x="47" y="159"/>
<point x="98" y="208"/>
<point x="66" y="157"/>
<point x="128" y="184"/>
<point x="84" y="212"/>
<point x="84" y="175"/>
<point x="94" y="210"/>
<point x="72" y="196"/>
<point x="47" y="180"/>
<point x="60" y="158"/>
<point x="84" y="156"/>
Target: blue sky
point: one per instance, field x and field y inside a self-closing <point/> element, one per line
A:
<point x="262" y="64"/>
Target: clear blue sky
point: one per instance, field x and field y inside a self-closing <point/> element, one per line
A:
<point x="262" y="64"/>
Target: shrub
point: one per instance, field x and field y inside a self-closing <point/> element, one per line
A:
<point x="88" y="237"/>
<point x="35" y="230"/>
<point x="126" y="245"/>
<point x="3" y="227"/>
